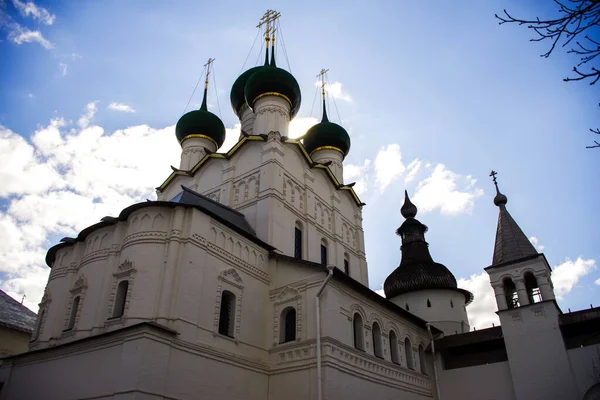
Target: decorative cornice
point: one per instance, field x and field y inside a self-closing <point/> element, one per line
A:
<point x="200" y="136"/>
<point x="283" y="96"/>
<point x="326" y="148"/>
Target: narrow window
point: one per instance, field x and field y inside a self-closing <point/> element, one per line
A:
<point x="428" y="303"/>
<point x="422" y="359"/>
<point x="323" y="252"/>
<point x="394" y="347"/>
<point x="287" y="331"/>
<point x="358" y="332"/>
<point x="226" y="314"/>
<point x="73" y="315"/>
<point x="298" y="242"/>
<point x="451" y="304"/>
<point x="510" y="292"/>
<point x="407" y="307"/>
<point x="376" y="332"/>
<point x="532" y="288"/>
<point x="346" y="266"/>
<point x="409" y="354"/>
<point x="120" y="298"/>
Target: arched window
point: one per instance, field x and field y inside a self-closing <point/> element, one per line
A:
<point x="357" y="325"/>
<point x="394" y="347"/>
<point x="298" y="241"/>
<point x="73" y="316"/>
<point x="409" y="354"/>
<point x="428" y="303"/>
<point x="510" y="292"/>
<point x="120" y="298"/>
<point x="227" y="313"/>
<point x="323" y="252"/>
<point x="346" y="264"/>
<point x="376" y="332"/>
<point x="407" y="307"/>
<point x="287" y="325"/>
<point x="422" y="359"/>
<point x="38" y="327"/>
<point x="533" y="290"/>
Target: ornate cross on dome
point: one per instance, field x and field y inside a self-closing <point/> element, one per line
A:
<point x="493" y="175"/>
<point x="322" y="76"/>
<point x="268" y="19"/>
<point x="208" y="65"/>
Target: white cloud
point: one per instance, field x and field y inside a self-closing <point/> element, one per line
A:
<point x="232" y="136"/>
<point x="65" y="179"/>
<point x="597" y="281"/>
<point x="536" y="243"/>
<point x="482" y="311"/>
<point x="19" y="35"/>
<point x="412" y="168"/>
<point x="334" y="89"/>
<point x="299" y="126"/>
<point x="388" y="165"/>
<point x="31" y="95"/>
<point x="63" y="68"/>
<point x="76" y="56"/>
<point x="86" y="118"/>
<point x="38" y="13"/>
<point x="359" y="174"/>
<point x="447" y="191"/>
<point x="120" y="107"/>
<point x="566" y="275"/>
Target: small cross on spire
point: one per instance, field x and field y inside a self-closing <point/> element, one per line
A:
<point x="208" y="66"/>
<point x="493" y="175"/>
<point x="322" y="76"/>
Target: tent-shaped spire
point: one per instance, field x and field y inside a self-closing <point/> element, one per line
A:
<point x="511" y="243"/>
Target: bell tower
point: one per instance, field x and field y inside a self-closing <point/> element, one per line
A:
<point x="528" y="312"/>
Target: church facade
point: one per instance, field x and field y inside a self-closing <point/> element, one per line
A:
<point x="247" y="279"/>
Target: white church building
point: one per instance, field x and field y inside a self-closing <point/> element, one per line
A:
<point x="247" y="278"/>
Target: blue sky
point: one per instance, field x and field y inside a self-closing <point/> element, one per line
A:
<point x="418" y="83"/>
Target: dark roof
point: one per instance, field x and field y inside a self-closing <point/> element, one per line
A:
<point x="511" y="242"/>
<point x="14" y="315"/>
<point x="469" y="338"/>
<point x="359" y="287"/>
<point x="417" y="270"/>
<point x="187" y="198"/>
<point x="220" y="211"/>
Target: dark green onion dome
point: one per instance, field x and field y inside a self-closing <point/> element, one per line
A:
<point x="201" y="123"/>
<point x="326" y="134"/>
<point x="417" y="270"/>
<point x="276" y="81"/>
<point x="237" y="90"/>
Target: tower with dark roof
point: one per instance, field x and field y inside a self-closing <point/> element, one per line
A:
<point x="518" y="274"/>
<point x="421" y="285"/>
<point x="528" y="312"/>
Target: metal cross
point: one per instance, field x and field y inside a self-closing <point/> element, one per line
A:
<point x="269" y="17"/>
<point x="493" y="175"/>
<point x="322" y="76"/>
<point x="208" y="65"/>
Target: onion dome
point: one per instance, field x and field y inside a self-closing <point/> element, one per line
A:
<point x="326" y="134"/>
<point x="238" y="100"/>
<point x="201" y="123"/>
<point x="270" y="80"/>
<point x="417" y="270"/>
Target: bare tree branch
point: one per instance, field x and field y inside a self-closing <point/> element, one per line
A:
<point x="576" y="19"/>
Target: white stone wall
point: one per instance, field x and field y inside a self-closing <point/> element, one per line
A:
<point x="272" y="185"/>
<point x="487" y="381"/>
<point x="585" y="364"/>
<point x="447" y="310"/>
